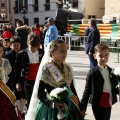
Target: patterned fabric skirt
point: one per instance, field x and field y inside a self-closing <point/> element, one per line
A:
<point x="45" y="113"/>
<point x="7" y="109"/>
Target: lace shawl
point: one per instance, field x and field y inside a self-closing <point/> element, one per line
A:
<point x="5" y="69"/>
<point x="47" y="77"/>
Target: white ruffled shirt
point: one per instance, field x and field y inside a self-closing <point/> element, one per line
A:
<point x="33" y="57"/>
<point x="107" y="84"/>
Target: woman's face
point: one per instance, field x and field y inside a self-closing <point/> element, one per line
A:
<point x="60" y="54"/>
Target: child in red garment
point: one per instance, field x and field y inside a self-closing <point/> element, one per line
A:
<point x="27" y="64"/>
<point x="6" y="33"/>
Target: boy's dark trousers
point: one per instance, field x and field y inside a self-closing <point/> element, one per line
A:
<point x="101" y="113"/>
<point x="28" y="86"/>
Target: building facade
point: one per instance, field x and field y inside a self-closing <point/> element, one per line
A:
<point x="112" y="11"/>
<point x="94" y="9"/>
<point x="33" y="11"/>
<point x="5" y="12"/>
<point x="37" y="11"/>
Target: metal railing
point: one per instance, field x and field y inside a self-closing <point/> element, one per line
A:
<point x="74" y="41"/>
<point x="114" y="45"/>
<point x="78" y="42"/>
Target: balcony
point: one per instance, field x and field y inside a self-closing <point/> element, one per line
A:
<point x="15" y="9"/>
<point x="35" y="5"/>
<point x="47" y="6"/>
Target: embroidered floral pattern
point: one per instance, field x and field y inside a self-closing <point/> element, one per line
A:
<point x="47" y="78"/>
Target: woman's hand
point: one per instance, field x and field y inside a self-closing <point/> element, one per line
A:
<point x="83" y="114"/>
<point x="58" y="106"/>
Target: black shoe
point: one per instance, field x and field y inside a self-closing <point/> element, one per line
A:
<point x="23" y="115"/>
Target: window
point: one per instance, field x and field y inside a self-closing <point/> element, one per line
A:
<point x="36" y="5"/>
<point x="47" y="5"/>
<point x="20" y="5"/>
<point x="47" y="1"/>
<point x="36" y="20"/>
<point x="75" y="4"/>
<point x="91" y="16"/>
<point x="26" y="21"/>
<point x="2" y="4"/>
<point x="46" y="18"/>
<point x="26" y="3"/>
<point x="16" y="7"/>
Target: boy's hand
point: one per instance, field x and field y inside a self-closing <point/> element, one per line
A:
<point x="83" y="114"/>
<point x="119" y="88"/>
<point x="18" y="87"/>
<point x="90" y="53"/>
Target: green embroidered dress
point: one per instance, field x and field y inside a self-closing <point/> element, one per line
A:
<point x="45" y="109"/>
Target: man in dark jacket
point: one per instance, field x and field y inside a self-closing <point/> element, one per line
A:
<point x="92" y="41"/>
<point x="22" y="31"/>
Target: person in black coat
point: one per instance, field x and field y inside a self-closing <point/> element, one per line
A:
<point x="6" y="45"/>
<point x="92" y="40"/>
<point x="27" y="64"/>
<point x="11" y="56"/>
<point x="22" y="31"/>
<point x="86" y="33"/>
<point x="100" y="89"/>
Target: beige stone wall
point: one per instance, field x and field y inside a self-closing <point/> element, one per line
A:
<point x="112" y="9"/>
<point x="94" y="7"/>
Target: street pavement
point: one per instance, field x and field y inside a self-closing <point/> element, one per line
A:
<point x="80" y="64"/>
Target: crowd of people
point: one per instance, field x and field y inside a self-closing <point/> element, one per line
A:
<point x="36" y="82"/>
<point x="22" y="49"/>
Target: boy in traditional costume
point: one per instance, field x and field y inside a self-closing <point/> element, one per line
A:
<point x="27" y="63"/>
<point x="100" y="89"/>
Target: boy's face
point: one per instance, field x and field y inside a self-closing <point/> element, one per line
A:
<point x="6" y="44"/>
<point x="17" y="25"/>
<point x="102" y="57"/>
<point x="15" y="46"/>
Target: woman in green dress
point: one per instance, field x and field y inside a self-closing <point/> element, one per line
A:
<point x="54" y="73"/>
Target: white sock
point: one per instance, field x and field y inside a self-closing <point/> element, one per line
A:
<point x="22" y="105"/>
<point x="18" y="104"/>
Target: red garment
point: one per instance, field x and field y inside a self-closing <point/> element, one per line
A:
<point x="7" y="109"/>
<point x="105" y="99"/>
<point x="37" y="31"/>
<point x="32" y="71"/>
<point x="7" y="34"/>
<point x="18" y="113"/>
